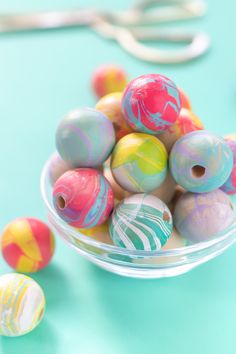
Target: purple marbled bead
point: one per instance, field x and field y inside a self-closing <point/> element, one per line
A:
<point x="200" y="217"/>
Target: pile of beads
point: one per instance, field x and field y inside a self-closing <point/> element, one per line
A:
<point x="139" y="154"/>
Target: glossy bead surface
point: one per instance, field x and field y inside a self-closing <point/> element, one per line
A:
<point x="27" y="245"/>
<point x="230" y="185"/>
<point x="201" y="161"/>
<point x="85" y="138"/>
<point x="139" y="162"/>
<point x="186" y="122"/>
<point x="110" y="105"/>
<point x="200" y="217"/>
<point x="107" y="79"/>
<point x="83" y="198"/>
<point x="22" y="304"/>
<point x="141" y="222"/>
<point x="151" y="103"/>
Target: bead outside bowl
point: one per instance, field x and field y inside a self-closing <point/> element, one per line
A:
<point x="138" y="264"/>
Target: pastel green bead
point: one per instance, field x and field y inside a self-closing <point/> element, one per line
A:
<point x="139" y="162"/>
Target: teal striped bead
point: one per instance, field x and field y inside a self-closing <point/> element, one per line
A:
<point x="141" y="222"/>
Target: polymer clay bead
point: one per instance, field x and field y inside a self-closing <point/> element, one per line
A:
<point x="186" y="122"/>
<point x="200" y="217"/>
<point x="139" y="162"/>
<point x="230" y="185"/>
<point x="57" y="167"/>
<point x="151" y="103"/>
<point x="110" y="105"/>
<point x="184" y="99"/>
<point x="27" y="245"/>
<point x="85" y="138"/>
<point x="22" y="304"/>
<point x="83" y="198"/>
<point x="201" y="161"/>
<point x="118" y="191"/>
<point x="175" y="241"/>
<point x="107" y="79"/>
<point x="141" y="222"/>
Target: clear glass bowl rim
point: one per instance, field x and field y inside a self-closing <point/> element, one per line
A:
<point x="44" y="180"/>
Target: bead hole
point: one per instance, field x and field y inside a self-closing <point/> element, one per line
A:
<point x="198" y="171"/>
<point x="61" y="203"/>
<point x="166" y="216"/>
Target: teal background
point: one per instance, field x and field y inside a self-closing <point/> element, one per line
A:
<point x="90" y="311"/>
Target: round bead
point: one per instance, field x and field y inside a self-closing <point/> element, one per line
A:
<point x="151" y="103"/>
<point x="139" y="162"/>
<point x="83" y="198"/>
<point x="27" y="245"/>
<point x="107" y="79"/>
<point x="186" y="122"/>
<point x="184" y="99"/>
<point x="22" y="304"/>
<point x="141" y="222"/>
<point x="200" y="217"/>
<point x="119" y="193"/>
<point x="57" y="167"/>
<point x="85" y="138"/>
<point x="110" y="105"/>
<point x="167" y="190"/>
<point x="230" y="185"/>
<point x="201" y="162"/>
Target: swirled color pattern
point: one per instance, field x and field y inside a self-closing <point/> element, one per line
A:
<point x="27" y="245"/>
<point x="201" y="161"/>
<point x="200" y="217"/>
<point x="139" y="162"/>
<point x="83" y="198"/>
<point x="151" y="103"/>
<point x="141" y="222"/>
<point x="22" y="304"/>
<point x="85" y="138"/>
<point x="107" y="79"/>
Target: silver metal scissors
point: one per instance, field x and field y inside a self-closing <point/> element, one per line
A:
<point x="130" y="28"/>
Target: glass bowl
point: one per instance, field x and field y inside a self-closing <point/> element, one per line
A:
<point x="138" y="264"/>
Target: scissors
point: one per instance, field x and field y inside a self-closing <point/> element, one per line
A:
<point x="130" y="28"/>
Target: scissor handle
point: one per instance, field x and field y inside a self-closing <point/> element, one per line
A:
<point x="130" y="40"/>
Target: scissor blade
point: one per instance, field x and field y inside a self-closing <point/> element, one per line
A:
<point x="46" y="20"/>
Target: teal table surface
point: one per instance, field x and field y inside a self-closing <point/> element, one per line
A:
<point x="90" y="311"/>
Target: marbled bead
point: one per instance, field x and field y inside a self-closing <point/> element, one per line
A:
<point x="83" y="198"/>
<point x="230" y="185"/>
<point x="22" y="304"/>
<point x="186" y="122"/>
<point x="201" y="161"/>
<point x="139" y="162"/>
<point x="107" y="79"/>
<point x="27" y="245"/>
<point x="141" y="222"/>
<point x="151" y="103"/>
<point x="200" y="217"/>
<point x="85" y="138"/>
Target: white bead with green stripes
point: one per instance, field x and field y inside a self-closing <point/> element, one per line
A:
<point x="141" y="222"/>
